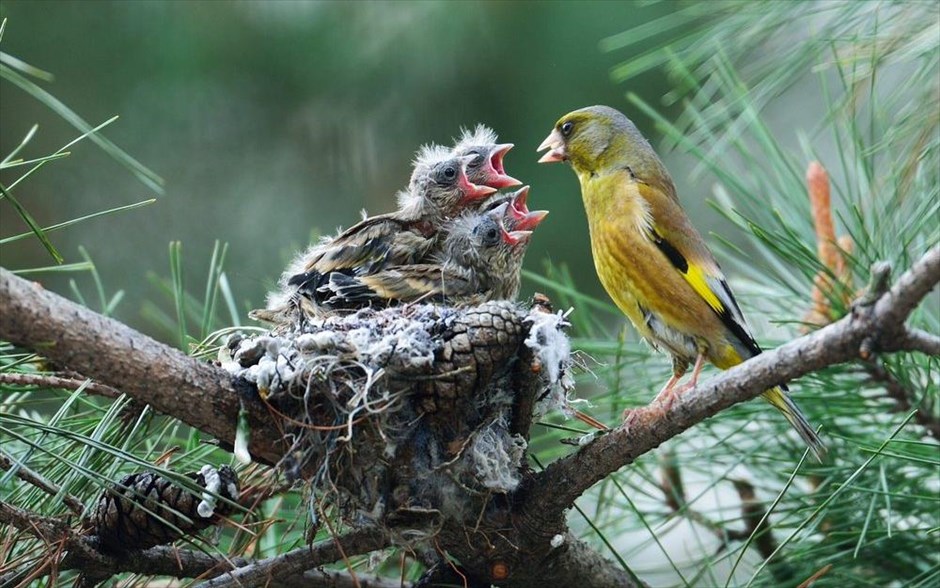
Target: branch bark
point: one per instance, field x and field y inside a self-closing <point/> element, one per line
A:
<point x="199" y="394"/>
<point x="49" y="381"/>
<point x="81" y="553"/>
<point x="275" y="570"/>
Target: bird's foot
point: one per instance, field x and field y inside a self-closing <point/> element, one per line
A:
<point x="636" y="417"/>
<point x="668" y="395"/>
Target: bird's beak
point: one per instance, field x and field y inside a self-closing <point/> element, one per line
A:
<point x="555" y="143"/>
<point x="522" y="219"/>
<point x="518" y="199"/>
<point x="496" y="174"/>
<point x="514" y="238"/>
<point x="531" y="220"/>
<point x="472" y="192"/>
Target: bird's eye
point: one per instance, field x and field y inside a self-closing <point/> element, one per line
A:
<point x="449" y="173"/>
<point x="566" y="128"/>
<point x="488" y="233"/>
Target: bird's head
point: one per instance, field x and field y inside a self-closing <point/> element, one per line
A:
<point x="440" y="181"/>
<point x="487" y="166"/>
<point x="597" y="139"/>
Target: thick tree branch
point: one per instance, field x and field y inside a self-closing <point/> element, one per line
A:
<point x="199" y="394"/>
<point x="878" y="326"/>
<point x="918" y="340"/>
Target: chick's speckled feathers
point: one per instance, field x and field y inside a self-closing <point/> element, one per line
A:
<point x="438" y="188"/>
<point x="411" y="253"/>
<point x="650" y="259"/>
<point x="480" y="261"/>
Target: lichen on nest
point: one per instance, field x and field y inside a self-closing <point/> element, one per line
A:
<point x="412" y="414"/>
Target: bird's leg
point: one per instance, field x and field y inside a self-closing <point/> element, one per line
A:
<point x="699" y="364"/>
<point x="671" y="392"/>
<point x="667" y="389"/>
<point x="679" y="367"/>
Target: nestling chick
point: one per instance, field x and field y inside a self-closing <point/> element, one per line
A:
<point x="486" y="167"/>
<point x="649" y="257"/>
<point x="480" y="261"/>
<point x="438" y="189"/>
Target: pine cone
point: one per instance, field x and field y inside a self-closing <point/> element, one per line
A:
<point x="145" y="509"/>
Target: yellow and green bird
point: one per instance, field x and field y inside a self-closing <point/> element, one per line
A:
<point x="649" y="257"/>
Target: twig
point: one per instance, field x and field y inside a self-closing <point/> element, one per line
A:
<point x="812" y="579"/>
<point x="673" y="488"/>
<point x="752" y="513"/>
<point x="30" y="477"/>
<point x="902" y="396"/>
<point x="82" y="554"/>
<point x="272" y="570"/>
<point x="49" y="381"/>
<point x="671" y="481"/>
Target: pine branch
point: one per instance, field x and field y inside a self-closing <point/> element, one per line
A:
<point x="98" y="347"/>
<point x="81" y="553"/>
<point x="49" y="381"/>
<point x="877" y="326"/>
<point x="527" y="531"/>
<point x="902" y="396"/>
<point x="30" y="477"/>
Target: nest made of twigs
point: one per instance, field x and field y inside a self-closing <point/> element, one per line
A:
<point x="406" y="415"/>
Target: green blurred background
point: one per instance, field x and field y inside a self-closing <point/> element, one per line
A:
<point x="272" y="122"/>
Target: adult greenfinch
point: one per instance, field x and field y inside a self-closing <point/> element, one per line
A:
<point x="650" y="259"/>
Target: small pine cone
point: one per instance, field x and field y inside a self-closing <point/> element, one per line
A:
<point x="480" y="341"/>
<point x="146" y="509"/>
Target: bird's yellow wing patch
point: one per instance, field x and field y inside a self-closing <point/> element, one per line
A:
<point x="711" y="287"/>
<point x="698" y="279"/>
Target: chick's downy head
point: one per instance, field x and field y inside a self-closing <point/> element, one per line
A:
<point x="487" y="165"/>
<point x="440" y="183"/>
<point x="482" y="243"/>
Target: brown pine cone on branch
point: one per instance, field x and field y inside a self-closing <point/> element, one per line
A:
<point x="146" y="509"/>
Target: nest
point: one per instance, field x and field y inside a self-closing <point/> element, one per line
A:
<point x="409" y="416"/>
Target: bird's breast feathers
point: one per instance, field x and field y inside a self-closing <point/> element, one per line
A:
<point x="637" y="271"/>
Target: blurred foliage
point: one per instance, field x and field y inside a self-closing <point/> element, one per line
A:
<point x="273" y="121"/>
<point x="269" y="120"/>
